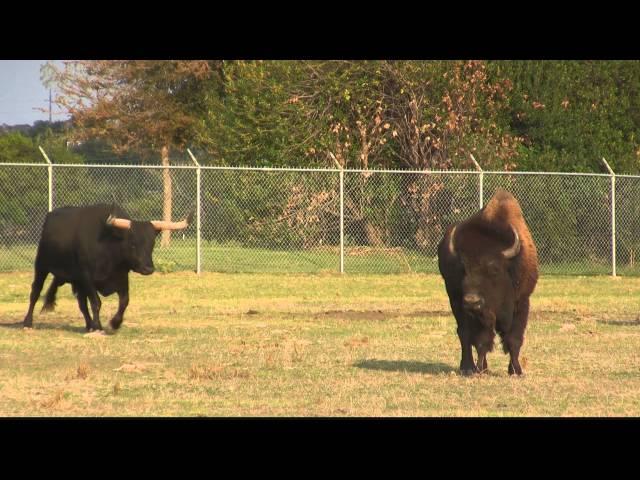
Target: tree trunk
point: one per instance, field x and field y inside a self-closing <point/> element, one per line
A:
<point x="167" y="195"/>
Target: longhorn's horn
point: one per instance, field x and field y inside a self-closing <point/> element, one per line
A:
<point x="514" y="249"/>
<point x="164" y="225"/>
<point x="452" y="249"/>
<point x="118" y="222"/>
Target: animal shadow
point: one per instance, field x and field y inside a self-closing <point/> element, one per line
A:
<point x="621" y="323"/>
<point x="46" y="326"/>
<point x="405" y="366"/>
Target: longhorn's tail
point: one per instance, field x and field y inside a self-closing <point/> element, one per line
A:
<point x="50" y="298"/>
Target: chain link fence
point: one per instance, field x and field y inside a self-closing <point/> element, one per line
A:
<point x="314" y="221"/>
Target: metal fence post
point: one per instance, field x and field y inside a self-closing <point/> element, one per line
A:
<point x="481" y="181"/>
<point x="198" y="250"/>
<point x="613" y="217"/>
<point x="341" y="220"/>
<point x="341" y="173"/>
<point x="50" y="168"/>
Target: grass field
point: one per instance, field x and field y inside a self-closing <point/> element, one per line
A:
<point x="315" y="345"/>
<point x="233" y="258"/>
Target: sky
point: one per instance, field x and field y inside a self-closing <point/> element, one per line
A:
<point x="21" y="92"/>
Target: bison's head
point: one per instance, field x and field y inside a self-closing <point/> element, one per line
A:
<point x="139" y="240"/>
<point x="485" y="258"/>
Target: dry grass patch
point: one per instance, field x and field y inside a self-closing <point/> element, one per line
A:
<point x="53" y="401"/>
<point x="214" y="372"/>
<point x="80" y="373"/>
<point x="305" y="345"/>
<point x="356" y="342"/>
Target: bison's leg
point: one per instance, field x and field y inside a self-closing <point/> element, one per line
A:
<point x="467" y="366"/>
<point x="36" y="288"/>
<point x="481" y="364"/>
<point x="483" y="342"/>
<point x="514" y="339"/>
<point x="123" y="301"/>
<point x="483" y="367"/>
<point x="514" y="362"/>
<point x="50" y="298"/>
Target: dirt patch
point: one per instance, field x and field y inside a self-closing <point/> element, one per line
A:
<point x="96" y="334"/>
<point x="356" y="342"/>
<point x="81" y="373"/>
<point x="354" y="315"/>
<point x="622" y="323"/>
<point x="211" y="372"/>
<point x="135" y="367"/>
<point x="377" y="314"/>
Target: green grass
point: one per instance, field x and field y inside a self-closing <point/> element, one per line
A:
<point x="309" y="345"/>
<point x="223" y="258"/>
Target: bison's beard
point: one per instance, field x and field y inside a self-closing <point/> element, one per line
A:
<point x="486" y="317"/>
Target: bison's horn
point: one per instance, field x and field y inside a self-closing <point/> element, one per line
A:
<point x="119" y="222"/>
<point x="163" y="225"/>
<point x="451" y="247"/>
<point x="514" y="249"/>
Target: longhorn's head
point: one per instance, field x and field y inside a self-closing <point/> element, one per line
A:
<point x="139" y="239"/>
<point x="485" y="259"/>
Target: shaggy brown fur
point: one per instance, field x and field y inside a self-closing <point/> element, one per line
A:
<point x="503" y="210"/>
<point x="489" y="292"/>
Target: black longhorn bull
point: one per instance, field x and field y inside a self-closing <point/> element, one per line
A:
<point x="93" y="248"/>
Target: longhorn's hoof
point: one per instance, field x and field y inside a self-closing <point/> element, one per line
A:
<point x="95" y="333"/>
<point x="467" y="372"/>
<point x="514" y="371"/>
<point x="115" y="323"/>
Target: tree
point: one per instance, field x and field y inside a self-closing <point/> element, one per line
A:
<point x="141" y="104"/>
<point x="250" y="119"/>
<point x="366" y="115"/>
<point x="572" y="113"/>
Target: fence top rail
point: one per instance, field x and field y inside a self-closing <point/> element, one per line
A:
<point x="564" y="174"/>
<point x="92" y="165"/>
<point x="627" y="176"/>
<point x="284" y="169"/>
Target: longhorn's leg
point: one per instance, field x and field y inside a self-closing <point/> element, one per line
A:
<point x="96" y="303"/>
<point x="50" y="299"/>
<point x="82" y="303"/>
<point x="36" y="288"/>
<point x="514" y="339"/>
<point x="123" y="301"/>
<point x="90" y="292"/>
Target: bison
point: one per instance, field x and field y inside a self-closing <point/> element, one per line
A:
<point x="93" y="248"/>
<point x="490" y="268"/>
